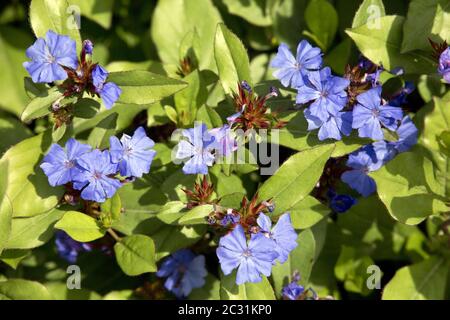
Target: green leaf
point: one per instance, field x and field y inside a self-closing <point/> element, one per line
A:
<point x="41" y="105"/>
<point x="55" y="15"/>
<point x="403" y="186"/>
<point x="296" y="178"/>
<point x="80" y="227"/>
<point x="322" y="20"/>
<point x="339" y="56"/>
<point x="351" y="268"/>
<point x="368" y="12"/>
<point x="436" y="119"/>
<point x="18" y="289"/>
<point x="257" y="12"/>
<point x="197" y="215"/>
<point x="172" y="212"/>
<point x="308" y="212"/>
<point x="13" y="43"/>
<point x="5" y="208"/>
<point x="12" y="131"/>
<point x="430" y="86"/>
<point x="13" y="257"/>
<point x="426" y="19"/>
<point x="99" y="137"/>
<point x="300" y="259"/>
<point x="136" y="255"/>
<point x="28" y="188"/>
<point x="425" y="280"/>
<point x="382" y="46"/>
<point x="288" y="24"/>
<point x="32" y="232"/>
<point x="209" y="116"/>
<point x="113" y="206"/>
<point x="209" y="291"/>
<point x="99" y="11"/>
<point x="143" y="87"/>
<point x="173" y="19"/>
<point x="190" y="99"/>
<point x="229" y="290"/>
<point x="231" y="59"/>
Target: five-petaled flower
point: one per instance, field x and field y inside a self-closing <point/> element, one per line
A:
<point x="95" y="179"/>
<point x="292" y="70"/>
<point x="252" y="260"/>
<point x="369" y="115"/>
<point x="197" y="146"/>
<point x="134" y="155"/>
<point x="60" y="164"/>
<point x="283" y="234"/>
<point x="184" y="271"/>
<point x="327" y="93"/>
<point x="49" y="56"/>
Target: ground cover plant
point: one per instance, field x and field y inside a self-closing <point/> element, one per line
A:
<point x="225" y="149"/>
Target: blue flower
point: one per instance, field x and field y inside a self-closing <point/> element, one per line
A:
<point x="333" y="128"/>
<point x="369" y="115"/>
<point x="108" y="91"/>
<point x="291" y="70"/>
<point x="283" y="234"/>
<point x="340" y="203"/>
<point x="197" y="147"/>
<point x="362" y="162"/>
<point x="252" y="260"/>
<point x="88" y="47"/>
<point x="444" y="65"/>
<point x="184" y="271"/>
<point x="69" y="249"/>
<point x="408" y="134"/>
<point x="401" y="97"/>
<point x="326" y="91"/>
<point x="60" y="165"/>
<point x="94" y="177"/>
<point x="224" y="142"/>
<point x="230" y="217"/>
<point x="49" y="55"/>
<point x="133" y="154"/>
<point x="292" y="291"/>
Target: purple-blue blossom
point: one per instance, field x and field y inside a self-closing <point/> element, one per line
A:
<point x="333" y="128"/>
<point x="326" y="92"/>
<point x="282" y="234"/>
<point x="369" y="115"/>
<point x="184" y="271"/>
<point x="196" y="148"/>
<point x="292" y="291"/>
<point x="69" y="249"/>
<point x="95" y="179"/>
<point x="340" y="203"/>
<point x="134" y="155"/>
<point x="407" y="135"/>
<point x="108" y="91"/>
<point x="401" y="97"/>
<point x="60" y="164"/>
<point x="230" y="217"/>
<point x="224" y="143"/>
<point x="291" y="70"/>
<point x="49" y="56"/>
<point x="252" y="260"/>
<point x="361" y="163"/>
<point x="444" y="65"/>
<point x="88" y="47"/>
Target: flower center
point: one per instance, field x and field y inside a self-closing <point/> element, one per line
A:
<point x="68" y="164"/>
<point x="128" y="150"/>
<point x="97" y="175"/>
<point x="247" y="253"/>
<point x="51" y="59"/>
<point x="376" y="112"/>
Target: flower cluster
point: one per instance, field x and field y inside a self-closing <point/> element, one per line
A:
<point x="95" y="172"/>
<point x="338" y="105"/>
<point x="184" y="271"/>
<point x="255" y="256"/>
<point x="55" y="59"/>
